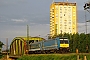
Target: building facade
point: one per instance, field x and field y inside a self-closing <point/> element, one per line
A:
<point x="63" y="18"/>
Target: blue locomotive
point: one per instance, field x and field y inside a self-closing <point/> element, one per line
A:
<point x="56" y="45"/>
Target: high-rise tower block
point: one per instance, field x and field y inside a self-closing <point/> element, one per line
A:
<point x="63" y="18"/>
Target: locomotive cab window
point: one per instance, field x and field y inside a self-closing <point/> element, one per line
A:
<point x="64" y="41"/>
<point x="36" y="40"/>
<point x="31" y="41"/>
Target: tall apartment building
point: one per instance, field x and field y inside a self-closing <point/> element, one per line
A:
<point x="63" y="18"/>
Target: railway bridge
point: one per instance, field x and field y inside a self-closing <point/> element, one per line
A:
<point x="18" y="45"/>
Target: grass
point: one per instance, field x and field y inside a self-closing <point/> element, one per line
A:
<point x="71" y="56"/>
<point x="48" y="57"/>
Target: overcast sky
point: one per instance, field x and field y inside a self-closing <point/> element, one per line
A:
<point x="15" y="15"/>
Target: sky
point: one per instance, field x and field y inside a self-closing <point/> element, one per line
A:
<point x="15" y="15"/>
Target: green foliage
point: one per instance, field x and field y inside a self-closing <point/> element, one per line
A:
<point x="1" y="55"/>
<point x="88" y="57"/>
<point x="1" y="44"/>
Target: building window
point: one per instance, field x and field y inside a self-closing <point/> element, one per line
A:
<point x="69" y="10"/>
<point x="64" y="22"/>
<point x="56" y="15"/>
<point x="69" y="16"/>
<point x="60" y="16"/>
<point x="60" y="27"/>
<point x="52" y="17"/>
<point x="60" y="12"/>
<point x="73" y="7"/>
<point x="69" y="22"/>
<point x="60" y="9"/>
<point x="65" y="25"/>
<point x="64" y="14"/>
<point x="60" y="22"/>
<point x="69" y="7"/>
<point x="65" y="7"/>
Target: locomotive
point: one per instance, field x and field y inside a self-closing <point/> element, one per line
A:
<point x="56" y="45"/>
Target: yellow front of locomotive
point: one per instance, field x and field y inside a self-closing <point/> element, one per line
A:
<point x="64" y="45"/>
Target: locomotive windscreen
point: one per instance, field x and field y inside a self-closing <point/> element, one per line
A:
<point x="63" y="41"/>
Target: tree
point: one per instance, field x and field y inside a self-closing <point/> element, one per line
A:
<point x="1" y="44"/>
